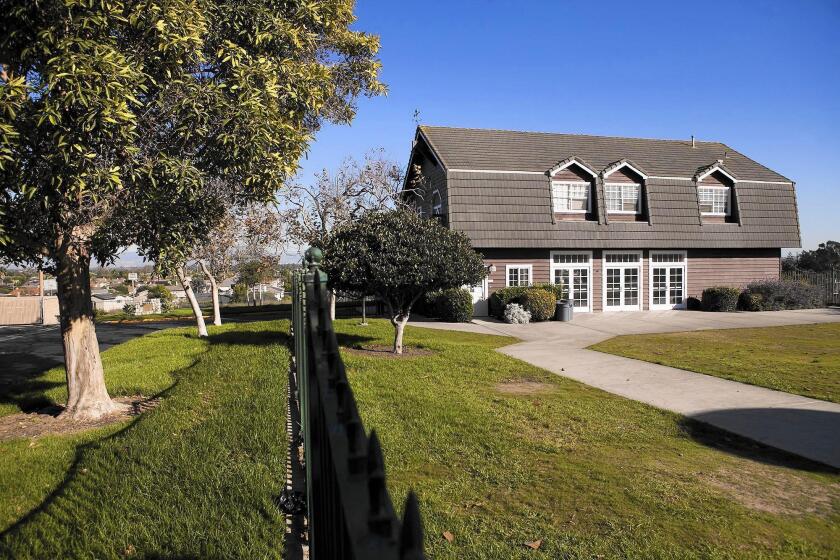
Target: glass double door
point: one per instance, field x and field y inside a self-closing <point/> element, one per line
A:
<point x="622" y="288"/>
<point x="576" y="281"/>
<point x="667" y="286"/>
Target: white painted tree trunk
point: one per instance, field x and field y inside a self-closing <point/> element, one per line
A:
<point x="87" y="397"/>
<point x="199" y="318"/>
<point x="214" y="292"/>
<point x="333" y="298"/>
<point x="399" y="327"/>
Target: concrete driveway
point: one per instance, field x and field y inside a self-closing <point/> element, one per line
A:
<point x="807" y="427"/>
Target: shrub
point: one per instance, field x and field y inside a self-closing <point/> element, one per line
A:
<point x="693" y="304"/>
<point x="426" y="304"/>
<point x="454" y="305"/>
<point x="539" y="303"/>
<point x="515" y="313"/>
<point x="500" y="299"/>
<point x="774" y="295"/>
<point x="559" y="290"/>
<point x="129" y="309"/>
<point x="720" y="298"/>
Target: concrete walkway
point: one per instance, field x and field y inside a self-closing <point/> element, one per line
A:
<point x="807" y="427"/>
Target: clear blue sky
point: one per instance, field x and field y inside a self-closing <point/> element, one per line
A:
<point x="763" y="77"/>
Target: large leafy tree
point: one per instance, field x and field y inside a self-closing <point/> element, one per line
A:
<point x="825" y="257"/>
<point x="136" y="121"/>
<point x="399" y="256"/>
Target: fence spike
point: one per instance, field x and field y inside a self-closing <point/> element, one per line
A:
<point x="411" y="534"/>
<point x="356" y="456"/>
<point x="378" y="520"/>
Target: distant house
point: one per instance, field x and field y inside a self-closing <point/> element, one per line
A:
<point x="106" y="303"/>
<point x="227" y="284"/>
<point x="623" y="223"/>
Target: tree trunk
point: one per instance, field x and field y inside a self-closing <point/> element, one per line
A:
<point x="399" y="327"/>
<point x="87" y="397"/>
<point x="333" y="297"/>
<point x="199" y="318"/>
<point x="214" y="292"/>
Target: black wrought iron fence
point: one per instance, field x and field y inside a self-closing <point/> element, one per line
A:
<point x="349" y="511"/>
<point x="828" y="282"/>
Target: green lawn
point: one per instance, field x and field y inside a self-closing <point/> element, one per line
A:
<point x="591" y="474"/>
<point x="194" y="478"/>
<point x="801" y="359"/>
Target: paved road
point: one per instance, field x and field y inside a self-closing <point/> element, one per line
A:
<point x="807" y="427"/>
<point x="28" y="350"/>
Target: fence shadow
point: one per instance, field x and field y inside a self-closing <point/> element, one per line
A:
<point x="812" y="431"/>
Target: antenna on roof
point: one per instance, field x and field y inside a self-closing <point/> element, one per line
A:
<point x="693" y="145"/>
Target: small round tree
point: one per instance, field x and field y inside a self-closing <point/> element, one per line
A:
<point x="398" y="257"/>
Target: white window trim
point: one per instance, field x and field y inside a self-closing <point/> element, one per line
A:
<point x="530" y="268"/>
<point x="572" y="161"/>
<point x="555" y="182"/>
<point x="651" y="264"/>
<point x="638" y="200"/>
<point x="622" y="166"/>
<point x="552" y="266"/>
<point x="716" y="188"/>
<point x="436" y="208"/>
<point x="605" y="265"/>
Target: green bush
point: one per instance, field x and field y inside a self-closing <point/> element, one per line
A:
<point x="502" y="297"/>
<point x="693" y="304"/>
<point x="720" y="298"/>
<point x="774" y="295"/>
<point x="426" y="304"/>
<point x="539" y="302"/>
<point x="454" y="305"/>
<point x="559" y="290"/>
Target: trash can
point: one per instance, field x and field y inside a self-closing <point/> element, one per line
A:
<point x="563" y="310"/>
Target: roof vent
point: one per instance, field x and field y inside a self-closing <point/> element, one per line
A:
<point x="693" y="145"/>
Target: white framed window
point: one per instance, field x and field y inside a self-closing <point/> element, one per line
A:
<point x="571" y="196"/>
<point x="573" y="270"/>
<point x="624" y="198"/>
<point x="668" y="279"/>
<point x="437" y="204"/>
<point x="714" y="201"/>
<point x="621" y="279"/>
<point x="519" y="274"/>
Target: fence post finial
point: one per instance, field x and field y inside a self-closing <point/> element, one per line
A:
<point x="411" y="534"/>
<point x="313" y="257"/>
<point x="378" y="520"/>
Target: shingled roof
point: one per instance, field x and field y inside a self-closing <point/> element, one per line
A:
<point x="498" y="191"/>
<point x="508" y="150"/>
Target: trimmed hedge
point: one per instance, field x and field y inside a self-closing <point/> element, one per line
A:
<point x="454" y="305"/>
<point x="720" y="298"/>
<point x="516" y="294"/>
<point x="775" y="295"/>
<point x="504" y="296"/>
<point x="693" y="304"/>
<point x="539" y="303"/>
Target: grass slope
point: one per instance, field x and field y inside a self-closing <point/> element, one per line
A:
<point x="194" y="478"/>
<point x="591" y="474"/>
<point x="801" y="359"/>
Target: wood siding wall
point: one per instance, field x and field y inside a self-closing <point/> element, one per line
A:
<point x="730" y="267"/>
<point x="706" y="268"/>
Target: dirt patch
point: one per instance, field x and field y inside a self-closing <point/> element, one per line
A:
<point x="774" y="490"/>
<point x="522" y="387"/>
<point x="385" y="351"/>
<point x="45" y="422"/>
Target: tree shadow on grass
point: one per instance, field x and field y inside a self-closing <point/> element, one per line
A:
<point x="812" y="431"/>
<point x="265" y="337"/>
<point x="89" y="480"/>
<point x="23" y="386"/>
<point x="353" y="340"/>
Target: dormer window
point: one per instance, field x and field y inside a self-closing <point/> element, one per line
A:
<point x="571" y="196"/>
<point x="624" y="198"/>
<point x="715" y="201"/>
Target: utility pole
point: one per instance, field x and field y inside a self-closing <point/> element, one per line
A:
<point x="41" y="292"/>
